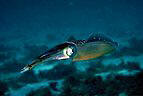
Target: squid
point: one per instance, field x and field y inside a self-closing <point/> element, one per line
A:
<point x="76" y="50"/>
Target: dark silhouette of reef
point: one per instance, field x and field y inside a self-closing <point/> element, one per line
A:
<point x="81" y="85"/>
<point x="41" y="92"/>
<point x="3" y="88"/>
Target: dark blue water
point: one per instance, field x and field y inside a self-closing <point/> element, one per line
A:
<point x="30" y="27"/>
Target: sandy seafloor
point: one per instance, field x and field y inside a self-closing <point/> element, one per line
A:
<point x="30" y="27"/>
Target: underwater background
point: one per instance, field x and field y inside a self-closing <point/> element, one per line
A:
<point x="30" y="27"/>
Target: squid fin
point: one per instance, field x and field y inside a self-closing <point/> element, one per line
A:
<point x="101" y="37"/>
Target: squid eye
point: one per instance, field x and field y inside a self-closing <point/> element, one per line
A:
<point x="69" y="51"/>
